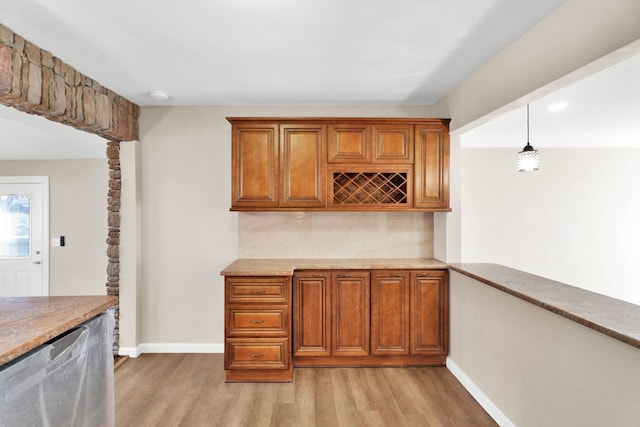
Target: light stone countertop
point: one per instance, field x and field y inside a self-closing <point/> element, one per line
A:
<point x="612" y="317"/>
<point x="286" y="267"/>
<point x="27" y="322"/>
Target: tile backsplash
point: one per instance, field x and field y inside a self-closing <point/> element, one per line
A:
<point x="335" y="235"/>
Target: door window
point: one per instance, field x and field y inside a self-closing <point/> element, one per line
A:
<point x="15" y="226"/>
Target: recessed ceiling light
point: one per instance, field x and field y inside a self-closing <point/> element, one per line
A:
<point x="557" y="106"/>
<point x="159" y="95"/>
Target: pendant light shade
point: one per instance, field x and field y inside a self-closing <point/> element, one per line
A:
<point x="528" y="158"/>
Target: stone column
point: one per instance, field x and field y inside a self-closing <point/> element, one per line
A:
<point x="113" y="236"/>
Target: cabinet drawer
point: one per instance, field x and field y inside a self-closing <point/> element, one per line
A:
<point x="242" y="321"/>
<point x="258" y="290"/>
<point x="257" y="353"/>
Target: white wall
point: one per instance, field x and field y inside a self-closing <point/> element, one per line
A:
<point x="553" y="54"/>
<point x="575" y="220"/>
<point x="189" y="234"/>
<point x="130" y="326"/>
<point x="530" y="367"/>
<point x="78" y="211"/>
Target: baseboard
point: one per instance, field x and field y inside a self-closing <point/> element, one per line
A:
<point x="129" y="351"/>
<point x="170" y="348"/>
<point x="484" y="401"/>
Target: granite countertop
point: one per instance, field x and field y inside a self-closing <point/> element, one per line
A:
<point x="286" y="267"/>
<point x="27" y="322"/>
<point x="613" y="317"/>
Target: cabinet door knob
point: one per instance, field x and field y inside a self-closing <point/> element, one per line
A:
<point x="256" y="354"/>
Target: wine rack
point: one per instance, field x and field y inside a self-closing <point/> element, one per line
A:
<point x="371" y="188"/>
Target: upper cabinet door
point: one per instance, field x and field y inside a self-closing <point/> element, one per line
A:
<point x="303" y="166"/>
<point x="392" y="143"/>
<point x="254" y="166"/>
<point x="349" y="143"/>
<point x="431" y="182"/>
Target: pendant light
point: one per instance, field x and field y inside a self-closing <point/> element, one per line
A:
<point x="528" y="158"/>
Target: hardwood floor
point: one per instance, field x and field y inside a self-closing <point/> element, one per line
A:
<point x="189" y="390"/>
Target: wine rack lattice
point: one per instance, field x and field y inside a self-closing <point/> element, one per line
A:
<point x="366" y="188"/>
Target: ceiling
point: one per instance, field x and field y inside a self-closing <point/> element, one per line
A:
<point x="256" y="52"/>
<point x="269" y="52"/>
<point x="602" y="110"/>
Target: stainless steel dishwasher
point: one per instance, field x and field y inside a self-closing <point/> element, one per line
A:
<point x="65" y="382"/>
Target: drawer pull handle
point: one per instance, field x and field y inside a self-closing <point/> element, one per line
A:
<point x="317" y="275"/>
<point x="259" y="291"/>
<point x="343" y="275"/>
<point x="256" y="354"/>
<point x="256" y="321"/>
<point x="396" y="275"/>
<point x="424" y="275"/>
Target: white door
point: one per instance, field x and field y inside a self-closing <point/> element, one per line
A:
<point x="24" y="256"/>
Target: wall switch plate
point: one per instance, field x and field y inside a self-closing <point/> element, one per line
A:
<point x="57" y="241"/>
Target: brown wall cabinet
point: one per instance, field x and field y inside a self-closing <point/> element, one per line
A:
<point x="362" y="318"/>
<point x="255" y="154"/>
<point x="340" y="164"/>
<point x="278" y="166"/>
<point x="302" y="166"/>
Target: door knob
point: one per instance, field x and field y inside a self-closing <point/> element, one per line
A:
<point x="37" y="262"/>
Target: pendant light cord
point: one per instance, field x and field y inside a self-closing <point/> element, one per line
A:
<point x="527" y="124"/>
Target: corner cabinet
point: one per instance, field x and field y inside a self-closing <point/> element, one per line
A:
<point x="340" y="164"/>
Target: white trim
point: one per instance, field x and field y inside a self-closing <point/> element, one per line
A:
<point x="44" y="180"/>
<point x="484" y="401"/>
<point x="171" y="348"/>
<point x="129" y="351"/>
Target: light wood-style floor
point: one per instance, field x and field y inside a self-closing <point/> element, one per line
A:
<point x="189" y="390"/>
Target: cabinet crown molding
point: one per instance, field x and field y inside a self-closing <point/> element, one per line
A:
<point x="293" y="120"/>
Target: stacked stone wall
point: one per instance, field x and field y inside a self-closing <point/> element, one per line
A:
<point x="36" y="82"/>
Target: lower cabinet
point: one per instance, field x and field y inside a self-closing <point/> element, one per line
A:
<point x="350" y="296"/>
<point x="258" y="329"/>
<point x="312" y="314"/>
<point x="390" y="313"/>
<point x="429" y="307"/>
<point x="334" y="318"/>
<point x="370" y="318"/>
